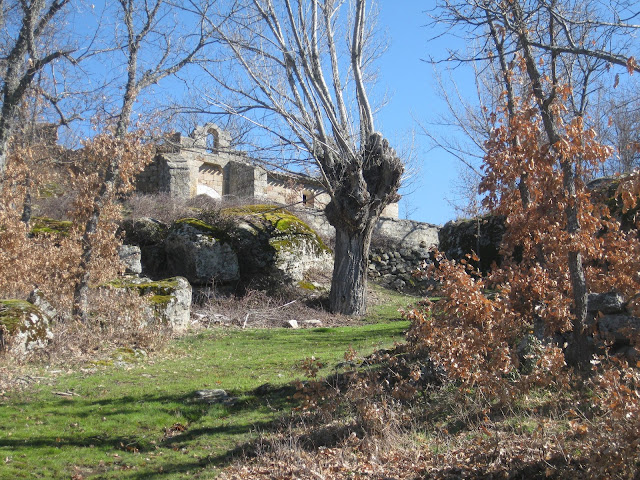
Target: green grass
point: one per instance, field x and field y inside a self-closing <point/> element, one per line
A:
<point x="115" y="425"/>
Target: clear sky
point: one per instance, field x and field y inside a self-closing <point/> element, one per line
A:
<point x="407" y="83"/>
<point x="413" y="100"/>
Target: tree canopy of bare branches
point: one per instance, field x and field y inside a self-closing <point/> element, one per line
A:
<point x="302" y="71"/>
<point x="26" y="28"/>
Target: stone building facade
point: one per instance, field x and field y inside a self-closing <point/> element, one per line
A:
<point x="205" y="163"/>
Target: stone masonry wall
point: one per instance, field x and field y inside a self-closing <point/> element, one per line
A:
<point x="394" y="267"/>
<point x="399" y="247"/>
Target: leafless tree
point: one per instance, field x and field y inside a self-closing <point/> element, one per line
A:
<point x="156" y="46"/>
<point x="619" y="125"/>
<point x="25" y="29"/>
<point x="305" y="79"/>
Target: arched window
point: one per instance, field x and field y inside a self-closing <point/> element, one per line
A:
<point x="212" y="140"/>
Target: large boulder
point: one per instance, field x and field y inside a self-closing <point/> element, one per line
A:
<point x="169" y="299"/>
<point x="273" y="243"/>
<point x="24" y="327"/>
<point x="619" y="329"/>
<point x="261" y="245"/>
<point x="199" y="252"/>
<point x="482" y="236"/>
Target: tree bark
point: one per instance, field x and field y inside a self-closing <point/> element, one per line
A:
<point x="349" y="281"/>
<point x="365" y="186"/>
<point x="80" y="308"/>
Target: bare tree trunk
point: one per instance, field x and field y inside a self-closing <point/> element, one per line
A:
<point x="81" y="291"/>
<point x="349" y="282"/>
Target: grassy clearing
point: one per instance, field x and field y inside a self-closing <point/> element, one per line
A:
<point x="142" y="419"/>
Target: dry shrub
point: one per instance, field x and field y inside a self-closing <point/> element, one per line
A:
<point x="497" y="337"/>
<point x="50" y="259"/>
<point x="259" y="309"/>
<point x="161" y="206"/>
<point x="118" y="318"/>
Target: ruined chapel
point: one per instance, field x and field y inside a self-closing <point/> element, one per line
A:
<point x="205" y="163"/>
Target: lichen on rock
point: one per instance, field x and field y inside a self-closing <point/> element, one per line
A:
<point x="23" y="327"/>
<point x="169" y="299"/>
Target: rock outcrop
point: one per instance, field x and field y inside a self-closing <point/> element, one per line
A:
<point x="482" y="235"/>
<point x="198" y="251"/>
<point x="24" y="327"/>
<point x="274" y="244"/>
<point x="261" y="245"/>
<point x="614" y="324"/>
<point x="169" y="299"/>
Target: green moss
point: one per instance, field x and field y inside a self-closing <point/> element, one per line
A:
<point x="13" y="314"/>
<point x="306" y="285"/>
<point x="203" y="227"/>
<point x="281" y="223"/>
<point x="49" y="226"/>
<point x="160" y="300"/>
<point x="158" y="288"/>
<point x="49" y="190"/>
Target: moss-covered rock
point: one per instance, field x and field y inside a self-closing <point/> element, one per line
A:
<point x="144" y="231"/>
<point x="274" y="243"/>
<point x="196" y="251"/>
<point x="169" y="299"/>
<point x="49" y="226"/>
<point x="277" y="221"/>
<point x="23" y="327"/>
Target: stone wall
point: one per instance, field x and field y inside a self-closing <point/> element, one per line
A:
<point x="394" y="267"/>
<point x="205" y="163"/>
<point x="245" y="181"/>
<point x="294" y="190"/>
<point x="399" y="247"/>
<point x="395" y="231"/>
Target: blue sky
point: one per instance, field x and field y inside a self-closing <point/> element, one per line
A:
<point x="408" y="84"/>
<point x="411" y="85"/>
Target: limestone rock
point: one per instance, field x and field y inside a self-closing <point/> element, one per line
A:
<point x="24" y="328"/>
<point x="131" y="258"/>
<point x="291" y="324"/>
<point x="194" y="250"/>
<point x="37" y="298"/>
<point x="215" y="396"/>
<point x="275" y="244"/>
<point x="169" y="299"/>
<point x="607" y="303"/>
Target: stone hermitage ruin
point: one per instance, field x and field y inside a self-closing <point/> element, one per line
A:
<point x="205" y="164"/>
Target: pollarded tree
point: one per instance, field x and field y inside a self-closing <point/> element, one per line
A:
<point x="308" y="88"/>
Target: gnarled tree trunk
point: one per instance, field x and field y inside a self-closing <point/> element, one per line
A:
<point x="367" y="185"/>
<point x="349" y="281"/>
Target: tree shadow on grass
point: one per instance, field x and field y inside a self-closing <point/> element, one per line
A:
<point x="150" y="438"/>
